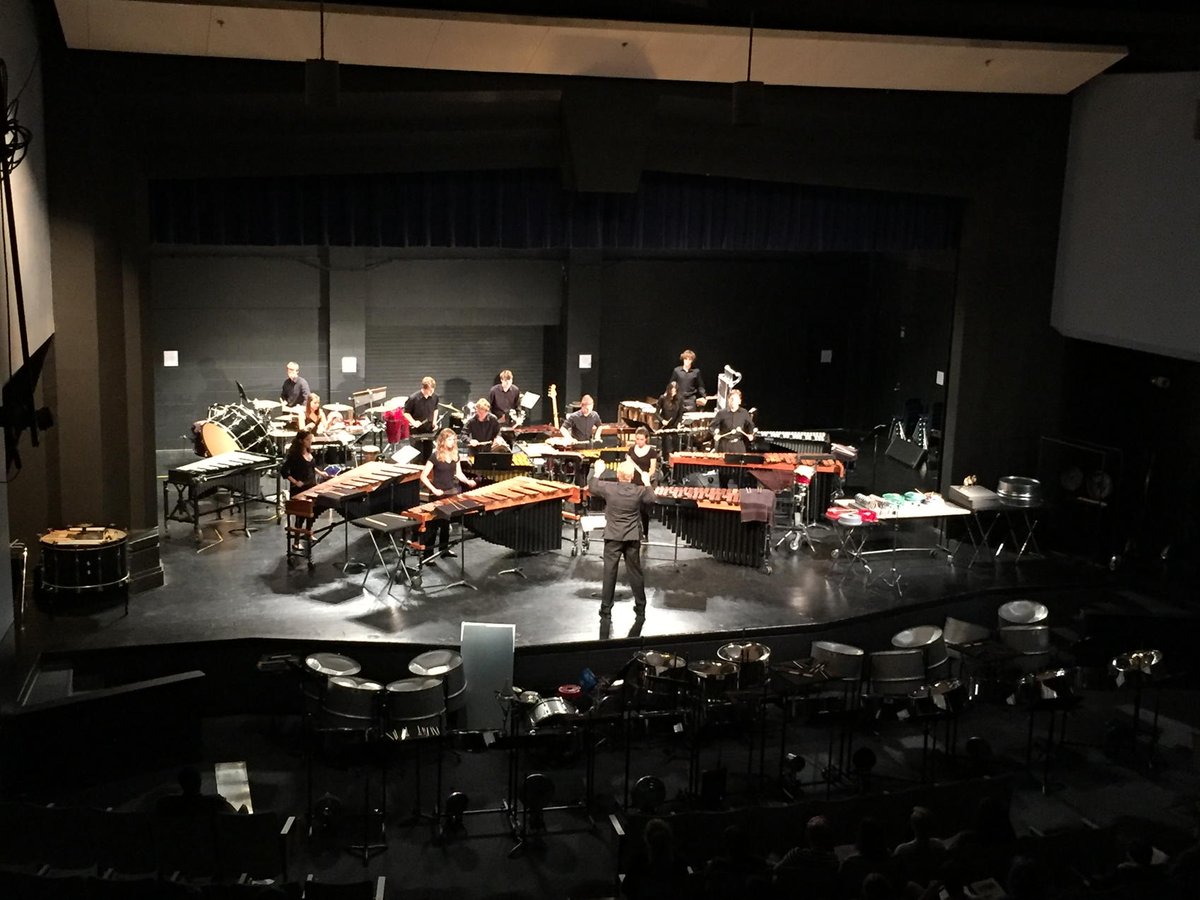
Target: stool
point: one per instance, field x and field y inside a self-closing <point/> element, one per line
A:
<point x="929" y="640"/>
<point x="851" y="532"/>
<point x="387" y="525"/>
<point x="1022" y="612"/>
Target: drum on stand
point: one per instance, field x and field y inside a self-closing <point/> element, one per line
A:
<point x="84" y="558"/>
<point x="447" y="665"/>
<point x="753" y="661"/>
<point x="232" y="428"/>
<point x="549" y="712"/>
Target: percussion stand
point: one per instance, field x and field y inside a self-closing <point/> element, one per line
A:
<point x="462" y="557"/>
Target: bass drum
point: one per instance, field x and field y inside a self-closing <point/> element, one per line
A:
<point x="84" y="559"/>
<point x="231" y="428"/>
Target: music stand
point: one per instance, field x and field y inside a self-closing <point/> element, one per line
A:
<point x="452" y="512"/>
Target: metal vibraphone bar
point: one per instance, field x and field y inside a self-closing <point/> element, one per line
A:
<point x="805" y="443"/>
<point x="710" y="519"/>
<point x="237" y="473"/>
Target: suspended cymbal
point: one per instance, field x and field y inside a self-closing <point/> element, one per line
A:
<point x="264" y="404"/>
<point x="337" y="407"/>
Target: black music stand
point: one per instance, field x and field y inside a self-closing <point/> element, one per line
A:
<point x="452" y="514"/>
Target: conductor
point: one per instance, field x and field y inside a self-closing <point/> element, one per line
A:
<point x="624" y="502"/>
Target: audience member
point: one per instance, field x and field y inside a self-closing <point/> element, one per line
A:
<point x="191" y="800"/>
<point x="656" y="872"/>
<point x="870" y="855"/>
<point x="917" y="860"/>
<point x="986" y="849"/>
<point x="950" y="883"/>
<point x="810" y="870"/>
<point x="737" y="869"/>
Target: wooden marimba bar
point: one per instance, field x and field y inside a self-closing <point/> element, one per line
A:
<point x="710" y="519"/>
<point x="521" y="513"/>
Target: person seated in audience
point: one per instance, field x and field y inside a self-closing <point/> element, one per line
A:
<point x="986" y="849"/>
<point x="950" y="883"/>
<point x="877" y="887"/>
<point x="810" y="870"/>
<point x="1139" y="865"/>
<point x="917" y="860"/>
<point x="656" y="872"/>
<point x="737" y="868"/>
<point x="870" y="855"/>
<point x="1026" y="880"/>
<point x="191" y="801"/>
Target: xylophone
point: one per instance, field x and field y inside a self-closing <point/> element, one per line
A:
<point x="775" y="471"/>
<point x="521" y="513"/>
<point x="236" y="472"/>
<point x="710" y="519"/>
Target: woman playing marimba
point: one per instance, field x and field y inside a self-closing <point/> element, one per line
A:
<point x="441" y="477"/>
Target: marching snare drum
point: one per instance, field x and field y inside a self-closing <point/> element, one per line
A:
<point x="231" y="428"/>
<point x="84" y="558"/>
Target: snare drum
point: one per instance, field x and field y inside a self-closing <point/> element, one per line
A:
<point x="231" y="428"/>
<point x="84" y="558"/>
<point x="551" y="711"/>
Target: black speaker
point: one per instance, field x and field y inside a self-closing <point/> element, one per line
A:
<point x="321" y="83"/>
<point x="703" y="479"/>
<point x="747" y="102"/>
<point x="906" y="452"/>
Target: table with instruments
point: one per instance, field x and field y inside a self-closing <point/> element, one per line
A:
<point x="719" y="521"/>
<point x="774" y="471"/>
<point x="237" y="473"/>
<point x="373" y="487"/>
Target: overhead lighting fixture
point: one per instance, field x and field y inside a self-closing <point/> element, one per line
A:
<point x="748" y="95"/>
<point x="321" y="79"/>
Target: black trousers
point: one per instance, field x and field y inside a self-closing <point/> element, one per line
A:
<point x="613" y="551"/>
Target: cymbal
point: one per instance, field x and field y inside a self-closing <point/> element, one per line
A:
<point x="281" y="433"/>
<point x="337" y="407"/>
<point x="282" y="419"/>
<point x="374" y="410"/>
<point x="449" y="406"/>
<point x="264" y="404"/>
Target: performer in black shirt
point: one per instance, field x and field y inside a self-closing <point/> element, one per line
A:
<point x="503" y="397"/>
<point x="669" y="411"/>
<point x="582" y="426"/>
<point x="482" y="429"/>
<point x="300" y="470"/>
<point x="690" y="381"/>
<point x="294" y="392"/>
<point x="441" y="477"/>
<point x="645" y="458"/>
<point x="736" y="420"/>
<point x="624" y="502"/>
<point x="421" y="411"/>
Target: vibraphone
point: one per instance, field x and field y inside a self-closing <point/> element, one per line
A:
<point x="373" y="487"/>
<point x="500" y="466"/>
<point x="710" y="519"/>
<point x="236" y="472"/>
<point x="775" y="471"/>
<point x="807" y="443"/>
<point x="521" y="513"/>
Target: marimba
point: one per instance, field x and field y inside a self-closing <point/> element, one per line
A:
<point x="373" y="487"/>
<point x="521" y="513"/>
<point x="236" y="472"/>
<point x="710" y="519"/>
<point x="774" y="471"/>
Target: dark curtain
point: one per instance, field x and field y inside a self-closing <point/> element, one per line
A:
<point x="530" y="210"/>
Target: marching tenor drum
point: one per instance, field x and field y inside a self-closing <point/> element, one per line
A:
<point x="231" y="428"/>
<point x="84" y="558"/>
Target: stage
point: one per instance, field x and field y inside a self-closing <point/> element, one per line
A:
<point x="231" y="587"/>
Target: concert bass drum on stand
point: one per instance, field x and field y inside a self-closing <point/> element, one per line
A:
<point x="231" y="428"/>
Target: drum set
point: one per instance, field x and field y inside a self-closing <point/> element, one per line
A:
<point x="264" y="427"/>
